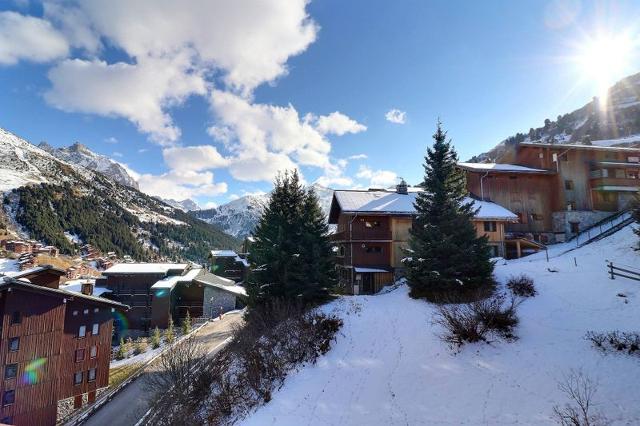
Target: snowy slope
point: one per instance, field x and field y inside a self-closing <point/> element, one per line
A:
<point x="388" y="366"/>
<point x="240" y="217"/>
<point x="80" y="155"/>
<point x="185" y="205"/>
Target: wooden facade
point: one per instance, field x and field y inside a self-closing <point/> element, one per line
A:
<point x="556" y="190"/>
<point x="40" y="335"/>
<point x="370" y="245"/>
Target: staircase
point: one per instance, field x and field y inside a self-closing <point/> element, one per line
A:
<point x="603" y="228"/>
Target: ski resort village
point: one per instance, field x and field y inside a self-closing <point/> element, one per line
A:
<point x="319" y="213"/>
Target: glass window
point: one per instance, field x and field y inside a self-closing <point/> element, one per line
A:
<point x="372" y="224"/>
<point x="568" y="184"/>
<point x="16" y="318"/>
<point x="94" y="351"/>
<point x="373" y="249"/>
<point x="77" y="378"/>
<point x="11" y="371"/>
<point x="79" y="355"/>
<point x="82" y="331"/>
<point x="96" y="329"/>
<point x="8" y="397"/>
<point x="490" y="226"/>
<point x="91" y="375"/>
<point x="14" y="344"/>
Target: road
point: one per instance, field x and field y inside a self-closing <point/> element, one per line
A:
<point x="132" y="402"/>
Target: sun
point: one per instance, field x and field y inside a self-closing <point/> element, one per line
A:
<point x="604" y="59"/>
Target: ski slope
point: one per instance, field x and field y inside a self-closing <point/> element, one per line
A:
<point x="388" y="366"/>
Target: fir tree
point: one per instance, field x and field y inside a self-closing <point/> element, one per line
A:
<point x="169" y="333"/>
<point x="122" y="350"/>
<point x="446" y="259"/>
<point x="156" y="338"/>
<point x="291" y="254"/>
<point x="186" y="324"/>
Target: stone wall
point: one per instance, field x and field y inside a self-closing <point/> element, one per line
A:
<point x="562" y="221"/>
<point x="215" y="299"/>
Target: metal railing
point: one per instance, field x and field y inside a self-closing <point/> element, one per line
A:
<point x="603" y="228"/>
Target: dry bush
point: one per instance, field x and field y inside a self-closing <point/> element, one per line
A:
<point x="580" y="390"/>
<point x="521" y="286"/>
<point x="616" y="340"/>
<point x="477" y="321"/>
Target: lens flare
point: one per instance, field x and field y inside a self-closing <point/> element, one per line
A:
<point x="120" y="323"/>
<point x="32" y="371"/>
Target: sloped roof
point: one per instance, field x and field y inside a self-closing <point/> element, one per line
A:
<point x="578" y="146"/>
<point x="221" y="283"/>
<point x="7" y="282"/>
<point x="387" y="202"/>
<point x="170" y="281"/>
<point x="144" y="268"/>
<point x="38" y="269"/>
<point x="500" y="168"/>
<point x="223" y="253"/>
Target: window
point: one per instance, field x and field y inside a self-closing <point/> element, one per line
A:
<point x="490" y="226"/>
<point x="10" y="371"/>
<point x="373" y="249"/>
<point x="16" y="318"/>
<point x="620" y="173"/>
<point x="75" y="313"/>
<point x="96" y="310"/>
<point x="8" y="397"/>
<point x="77" y="378"/>
<point x="571" y="205"/>
<point x="96" y="329"/>
<point x="568" y="184"/>
<point x="94" y="351"/>
<point x="82" y="331"/>
<point x="633" y="174"/>
<point x="91" y="375"/>
<point x="86" y="311"/>
<point x="341" y="251"/>
<point x="537" y="216"/>
<point x="79" y="355"/>
<point x="575" y="227"/>
<point x="372" y="224"/>
<point x="14" y="344"/>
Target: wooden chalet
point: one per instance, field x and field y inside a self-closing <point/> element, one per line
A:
<point x="228" y="264"/>
<point x="159" y="291"/>
<point x="556" y="189"/>
<point x="55" y="348"/>
<point x="373" y="232"/>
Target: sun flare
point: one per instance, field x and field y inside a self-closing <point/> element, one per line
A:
<point x="604" y="59"/>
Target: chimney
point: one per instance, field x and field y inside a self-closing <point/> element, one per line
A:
<point x="401" y="188"/>
<point x="87" y="288"/>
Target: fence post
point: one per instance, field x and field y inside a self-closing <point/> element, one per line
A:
<point x="611" y="271"/>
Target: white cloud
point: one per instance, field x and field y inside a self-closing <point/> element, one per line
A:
<point x="210" y="205"/>
<point x="396" y="116"/>
<point x="116" y="154"/>
<point x="358" y="157"/>
<point x="338" y="124"/>
<point x="138" y="92"/>
<point x="201" y="157"/>
<point x="180" y="185"/>
<point x="111" y="140"/>
<point x="30" y="39"/>
<point x="377" y="178"/>
<point x="265" y="139"/>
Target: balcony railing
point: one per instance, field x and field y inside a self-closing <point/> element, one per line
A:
<point x="613" y="181"/>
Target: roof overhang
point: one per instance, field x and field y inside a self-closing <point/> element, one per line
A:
<point x="564" y="146"/>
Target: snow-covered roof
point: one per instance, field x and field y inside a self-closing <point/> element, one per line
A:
<point x="365" y="270"/>
<point x="36" y="269"/>
<point x="75" y="286"/>
<point x="222" y="283"/>
<point x="223" y="253"/>
<point x="144" y="268"/>
<point x="387" y="202"/>
<point x="500" y="168"/>
<point x="578" y="146"/>
<point x="171" y="281"/>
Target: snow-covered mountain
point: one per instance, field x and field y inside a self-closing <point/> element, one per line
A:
<point x="46" y="197"/>
<point x="239" y="217"/>
<point x="80" y="155"/>
<point x="186" y="205"/>
<point x="614" y="121"/>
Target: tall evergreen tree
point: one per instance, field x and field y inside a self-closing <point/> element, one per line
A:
<point x="291" y="253"/>
<point x="446" y="259"/>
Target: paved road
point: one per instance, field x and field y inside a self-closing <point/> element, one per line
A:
<point x="132" y="402"/>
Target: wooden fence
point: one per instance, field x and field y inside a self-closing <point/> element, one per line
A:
<point x="626" y="272"/>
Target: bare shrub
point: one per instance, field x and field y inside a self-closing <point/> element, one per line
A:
<point x="616" y="340"/>
<point x="475" y="322"/>
<point x="521" y="286"/>
<point x="580" y="390"/>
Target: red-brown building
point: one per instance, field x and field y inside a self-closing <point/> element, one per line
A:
<point x="373" y="231"/>
<point x="55" y="348"/>
<point x="557" y="190"/>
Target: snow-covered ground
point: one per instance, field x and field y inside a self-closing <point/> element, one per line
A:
<point x="8" y="266"/>
<point x="388" y="367"/>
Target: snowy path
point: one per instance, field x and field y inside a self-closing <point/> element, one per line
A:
<point x="389" y="368"/>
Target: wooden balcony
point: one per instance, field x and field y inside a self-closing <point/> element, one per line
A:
<point x="598" y="182"/>
<point x="363" y="235"/>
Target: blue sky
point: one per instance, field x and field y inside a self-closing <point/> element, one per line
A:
<point x="207" y="100"/>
